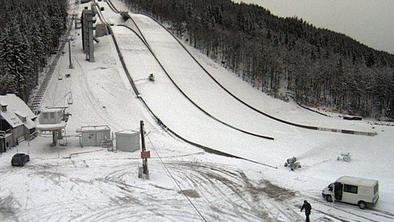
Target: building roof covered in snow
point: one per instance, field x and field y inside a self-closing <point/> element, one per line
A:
<point x="94" y="128"/>
<point x="16" y="112"/>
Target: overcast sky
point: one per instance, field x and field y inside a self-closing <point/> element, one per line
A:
<point x="368" y="21"/>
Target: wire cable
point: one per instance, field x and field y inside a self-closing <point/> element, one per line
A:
<point x="176" y="182"/>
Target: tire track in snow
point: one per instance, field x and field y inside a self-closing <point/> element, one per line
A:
<point x="89" y="95"/>
<point x="232" y="188"/>
<point x="345" y="212"/>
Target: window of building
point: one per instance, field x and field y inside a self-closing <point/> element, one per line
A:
<point x="350" y="189"/>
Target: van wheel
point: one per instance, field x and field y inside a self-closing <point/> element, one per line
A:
<point x="362" y="205"/>
<point x="329" y="198"/>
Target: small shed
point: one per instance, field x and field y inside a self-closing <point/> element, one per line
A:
<point x="94" y="135"/>
<point x="128" y="140"/>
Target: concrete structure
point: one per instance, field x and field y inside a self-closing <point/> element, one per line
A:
<point x="94" y="135"/>
<point x="128" y="141"/>
<point x="88" y="21"/>
<point x="17" y="121"/>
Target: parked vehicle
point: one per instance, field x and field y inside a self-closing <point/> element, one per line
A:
<point x="20" y="159"/>
<point x="353" y="190"/>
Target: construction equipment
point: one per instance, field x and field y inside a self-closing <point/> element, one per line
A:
<point x="151" y="77"/>
<point x="345" y="157"/>
<point x="292" y="163"/>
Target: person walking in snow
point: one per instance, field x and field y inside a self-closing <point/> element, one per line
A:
<point x="307" y="207"/>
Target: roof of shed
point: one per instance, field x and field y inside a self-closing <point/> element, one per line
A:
<point x="16" y="105"/>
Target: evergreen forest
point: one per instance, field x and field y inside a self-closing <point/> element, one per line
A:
<point x="29" y="32"/>
<point x="283" y="56"/>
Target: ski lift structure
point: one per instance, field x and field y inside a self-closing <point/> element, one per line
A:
<point x="53" y="120"/>
<point x="69" y="98"/>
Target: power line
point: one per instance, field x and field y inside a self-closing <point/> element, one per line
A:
<point x="176" y="183"/>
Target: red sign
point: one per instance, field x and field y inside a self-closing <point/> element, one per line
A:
<point x="145" y="154"/>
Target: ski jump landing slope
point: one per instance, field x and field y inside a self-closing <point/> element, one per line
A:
<point x="173" y="109"/>
<point x="231" y="101"/>
<point x="179" y="114"/>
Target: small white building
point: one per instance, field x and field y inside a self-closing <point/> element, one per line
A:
<point x="17" y="121"/>
<point x="94" y="135"/>
<point x="128" y="140"/>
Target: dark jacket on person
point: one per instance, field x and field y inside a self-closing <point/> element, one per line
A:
<point x="307" y="208"/>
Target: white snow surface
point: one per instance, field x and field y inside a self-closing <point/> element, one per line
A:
<point x="69" y="183"/>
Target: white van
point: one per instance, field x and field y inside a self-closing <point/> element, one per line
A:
<point x="353" y="190"/>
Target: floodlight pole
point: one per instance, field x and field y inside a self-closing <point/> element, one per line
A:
<point x="69" y="55"/>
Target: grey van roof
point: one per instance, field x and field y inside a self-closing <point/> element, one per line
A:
<point x="357" y="181"/>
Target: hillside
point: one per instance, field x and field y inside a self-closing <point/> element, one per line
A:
<point x="29" y="32"/>
<point x="318" y="67"/>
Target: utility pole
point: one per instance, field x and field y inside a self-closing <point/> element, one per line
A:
<point x="68" y="40"/>
<point x="69" y="55"/>
<point x="144" y="171"/>
<point x="69" y="47"/>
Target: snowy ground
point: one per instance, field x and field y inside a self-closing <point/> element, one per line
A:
<point x="69" y="183"/>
